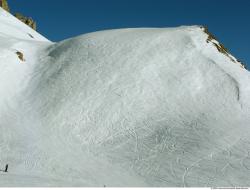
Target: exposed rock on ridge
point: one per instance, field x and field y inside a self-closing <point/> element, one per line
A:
<point x="27" y="20"/>
<point x="4" y="5"/>
<point x="220" y="47"/>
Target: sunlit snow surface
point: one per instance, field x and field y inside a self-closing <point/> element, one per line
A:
<point x="132" y="107"/>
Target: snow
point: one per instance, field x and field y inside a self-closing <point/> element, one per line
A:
<point x="11" y="27"/>
<point x="131" y="107"/>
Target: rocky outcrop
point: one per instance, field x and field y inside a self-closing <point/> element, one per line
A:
<point x="20" y="55"/>
<point x="27" y="20"/>
<point x="4" y="5"/>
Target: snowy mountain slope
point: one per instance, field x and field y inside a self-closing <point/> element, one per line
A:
<point x="132" y="107"/>
<point x="13" y="28"/>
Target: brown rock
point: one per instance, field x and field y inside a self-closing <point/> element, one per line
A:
<point x="27" y="20"/>
<point x="20" y="55"/>
<point x="4" y="5"/>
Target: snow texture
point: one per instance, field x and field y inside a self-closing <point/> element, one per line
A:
<point x="132" y="107"/>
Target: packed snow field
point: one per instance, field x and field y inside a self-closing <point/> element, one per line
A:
<point x="131" y="107"/>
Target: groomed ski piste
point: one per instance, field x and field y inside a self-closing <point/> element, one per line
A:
<point x="141" y="107"/>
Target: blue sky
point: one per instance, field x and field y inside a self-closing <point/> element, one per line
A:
<point x="228" y="20"/>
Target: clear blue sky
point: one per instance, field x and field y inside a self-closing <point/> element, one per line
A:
<point x="228" y="20"/>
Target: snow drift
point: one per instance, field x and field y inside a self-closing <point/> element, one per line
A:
<point x="131" y="107"/>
